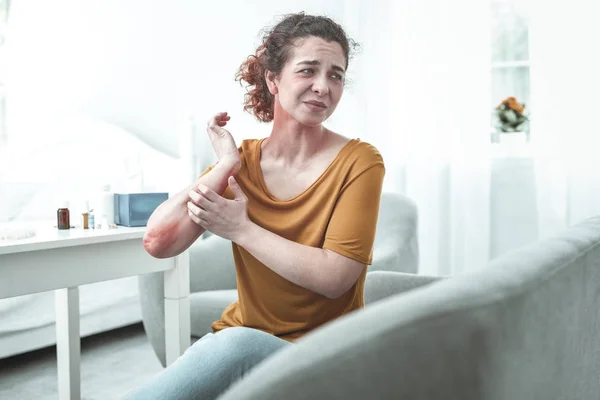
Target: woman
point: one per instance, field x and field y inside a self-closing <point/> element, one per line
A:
<point x="300" y="208"/>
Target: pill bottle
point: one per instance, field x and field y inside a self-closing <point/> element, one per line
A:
<point x="63" y="220"/>
<point x="85" y="216"/>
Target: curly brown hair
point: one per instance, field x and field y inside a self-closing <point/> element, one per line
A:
<point x="274" y="52"/>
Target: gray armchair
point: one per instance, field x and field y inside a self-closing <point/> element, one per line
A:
<point x="526" y="326"/>
<point x="212" y="271"/>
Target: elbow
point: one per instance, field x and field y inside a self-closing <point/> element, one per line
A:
<point x="333" y="295"/>
<point x="151" y="244"/>
<point x="339" y="284"/>
<point x="161" y="241"/>
<point x="336" y="291"/>
<point x="342" y="275"/>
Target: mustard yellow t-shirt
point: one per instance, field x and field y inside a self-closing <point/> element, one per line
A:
<point x="337" y="212"/>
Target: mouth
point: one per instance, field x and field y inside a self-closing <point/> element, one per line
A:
<point x="316" y="103"/>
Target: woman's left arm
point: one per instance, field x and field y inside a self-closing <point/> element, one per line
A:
<point x="320" y="270"/>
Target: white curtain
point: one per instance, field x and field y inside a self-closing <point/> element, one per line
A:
<point x="565" y="87"/>
<point x="422" y="96"/>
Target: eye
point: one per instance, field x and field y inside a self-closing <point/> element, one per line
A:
<point x="307" y="71"/>
<point x="337" y="76"/>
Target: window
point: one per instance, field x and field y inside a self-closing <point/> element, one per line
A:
<point x="510" y="53"/>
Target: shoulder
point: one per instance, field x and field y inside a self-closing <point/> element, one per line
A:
<point x="367" y="151"/>
<point x="358" y="151"/>
<point x="363" y="155"/>
<point x="360" y="164"/>
<point x="249" y="146"/>
<point x="359" y="159"/>
<point x="248" y="149"/>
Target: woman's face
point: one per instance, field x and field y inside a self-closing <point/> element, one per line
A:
<point x="311" y="83"/>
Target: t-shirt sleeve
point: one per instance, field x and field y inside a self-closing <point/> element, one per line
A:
<point x="351" y="229"/>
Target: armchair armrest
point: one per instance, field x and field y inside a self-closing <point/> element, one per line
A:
<point x="396" y="242"/>
<point x="382" y="284"/>
<point x="211" y="265"/>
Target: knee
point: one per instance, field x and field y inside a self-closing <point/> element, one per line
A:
<point x="242" y="337"/>
<point x="247" y="343"/>
<point x="241" y="333"/>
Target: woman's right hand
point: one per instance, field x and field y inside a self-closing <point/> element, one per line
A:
<point x="222" y="142"/>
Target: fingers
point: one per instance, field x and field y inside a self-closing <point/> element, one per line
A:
<point x="222" y="119"/>
<point x="216" y="124"/>
<point x="197" y="211"/>
<point x="208" y="193"/>
<point x="198" y="215"/>
<point x="203" y="223"/>
<point x="219" y="120"/>
<point x="218" y="130"/>
<point x="204" y="200"/>
<point x="198" y="199"/>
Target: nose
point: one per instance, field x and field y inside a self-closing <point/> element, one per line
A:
<point x="320" y="85"/>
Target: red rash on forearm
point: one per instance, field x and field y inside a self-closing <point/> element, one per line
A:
<point x="170" y="230"/>
<point x="163" y="237"/>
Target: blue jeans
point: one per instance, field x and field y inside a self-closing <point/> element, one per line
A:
<point x="210" y="365"/>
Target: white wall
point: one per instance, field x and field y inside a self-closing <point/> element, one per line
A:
<point x="142" y="64"/>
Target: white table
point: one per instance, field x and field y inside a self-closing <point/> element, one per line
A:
<point x="63" y="260"/>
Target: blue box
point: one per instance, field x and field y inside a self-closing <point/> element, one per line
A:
<point x="134" y="209"/>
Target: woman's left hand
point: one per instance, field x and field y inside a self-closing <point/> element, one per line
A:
<point x="223" y="217"/>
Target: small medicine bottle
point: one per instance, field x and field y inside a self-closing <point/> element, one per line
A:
<point x="63" y="217"/>
<point x="91" y="220"/>
<point x="85" y="216"/>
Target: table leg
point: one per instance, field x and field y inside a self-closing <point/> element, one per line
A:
<point x="177" y="307"/>
<point x="68" y="345"/>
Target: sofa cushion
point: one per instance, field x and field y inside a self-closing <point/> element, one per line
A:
<point x="207" y="307"/>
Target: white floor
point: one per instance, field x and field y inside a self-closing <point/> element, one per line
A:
<point x="112" y="363"/>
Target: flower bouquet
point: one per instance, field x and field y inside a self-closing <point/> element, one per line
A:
<point x="510" y="116"/>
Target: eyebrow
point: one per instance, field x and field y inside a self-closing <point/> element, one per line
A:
<point x="316" y="62"/>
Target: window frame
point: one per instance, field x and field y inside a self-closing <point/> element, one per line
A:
<point x="507" y="65"/>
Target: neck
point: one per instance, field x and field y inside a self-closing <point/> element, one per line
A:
<point x="292" y="142"/>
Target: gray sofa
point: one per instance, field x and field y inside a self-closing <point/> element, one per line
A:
<point x="212" y="272"/>
<point x="527" y="326"/>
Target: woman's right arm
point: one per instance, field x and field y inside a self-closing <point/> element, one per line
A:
<point x="170" y="230"/>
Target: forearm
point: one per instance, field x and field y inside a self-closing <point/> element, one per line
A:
<point x="170" y="230"/>
<point x="310" y="267"/>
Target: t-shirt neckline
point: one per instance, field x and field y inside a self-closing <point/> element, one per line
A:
<point x="257" y="155"/>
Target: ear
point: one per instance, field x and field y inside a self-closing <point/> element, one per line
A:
<point x="271" y="79"/>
